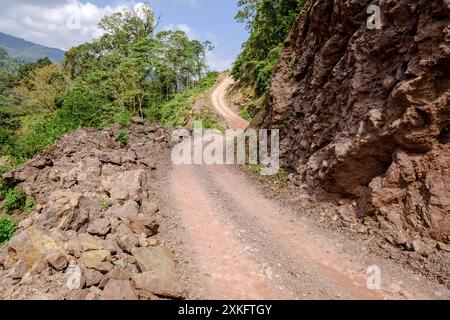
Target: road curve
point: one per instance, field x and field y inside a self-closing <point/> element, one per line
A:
<point x="237" y="244"/>
<point x="219" y="101"/>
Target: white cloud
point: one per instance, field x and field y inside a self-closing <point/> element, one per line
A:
<point x="182" y="27"/>
<point x="218" y="62"/>
<point x="67" y="23"/>
<point x="55" y="23"/>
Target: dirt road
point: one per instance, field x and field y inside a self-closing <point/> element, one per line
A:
<point x="220" y="104"/>
<point x="236" y="244"/>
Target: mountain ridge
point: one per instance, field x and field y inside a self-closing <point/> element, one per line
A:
<point x="28" y="51"/>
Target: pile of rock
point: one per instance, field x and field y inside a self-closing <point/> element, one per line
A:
<point x="92" y="235"/>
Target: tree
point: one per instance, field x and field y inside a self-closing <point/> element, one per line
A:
<point x="38" y="90"/>
<point x="269" y="22"/>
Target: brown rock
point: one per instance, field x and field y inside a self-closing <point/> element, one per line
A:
<point x="149" y="207"/>
<point x="163" y="283"/>
<point x="19" y="270"/>
<point x="119" y="290"/>
<point x="110" y="244"/>
<point x="93" y="259"/>
<point x="77" y="295"/>
<point x="116" y="274"/>
<point x="32" y="245"/>
<point x="103" y="267"/>
<point x="443" y="247"/>
<point x="111" y="157"/>
<point x="100" y="227"/>
<point x="129" y="210"/>
<point x="88" y="242"/>
<point x="153" y="258"/>
<point x="137" y="120"/>
<point x="126" y="239"/>
<point x="143" y="224"/>
<point x="402" y="239"/>
<point x="125" y="185"/>
<point x="61" y="211"/>
<point x="92" y="277"/>
<point x="421" y="248"/>
<point x="57" y="261"/>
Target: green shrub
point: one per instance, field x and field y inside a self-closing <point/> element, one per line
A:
<point x="245" y="114"/>
<point x="15" y="200"/>
<point x="123" y="138"/>
<point x="105" y="205"/>
<point x="42" y="134"/>
<point x="30" y="205"/>
<point x="177" y="111"/>
<point x="123" y="117"/>
<point x="7" y="229"/>
<point x="3" y="187"/>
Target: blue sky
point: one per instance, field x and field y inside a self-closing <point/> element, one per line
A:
<point x="46" y="22"/>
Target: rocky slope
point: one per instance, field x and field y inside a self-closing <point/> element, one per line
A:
<point x="365" y="113"/>
<point x="93" y="234"/>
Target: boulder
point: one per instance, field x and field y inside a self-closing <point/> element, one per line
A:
<point x="92" y="277"/>
<point x="77" y="295"/>
<point x="57" y="261"/>
<point x="129" y="210"/>
<point x="143" y="224"/>
<point x="119" y="290"/>
<point x="88" y="242"/>
<point x="112" y="158"/>
<point x="75" y="279"/>
<point x="61" y="211"/>
<point x="149" y="207"/>
<point x="19" y="270"/>
<point x="163" y="283"/>
<point x="39" y="267"/>
<point x="125" y="238"/>
<point x="421" y="248"/>
<point x="32" y="245"/>
<point x="116" y="274"/>
<point x="125" y="185"/>
<point x="94" y="259"/>
<point x="99" y="227"/>
<point x="129" y="156"/>
<point x="103" y="267"/>
<point x="89" y="171"/>
<point x="153" y="258"/>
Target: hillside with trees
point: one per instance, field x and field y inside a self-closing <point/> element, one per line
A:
<point x="28" y="52"/>
<point x="268" y="22"/>
<point x="130" y="70"/>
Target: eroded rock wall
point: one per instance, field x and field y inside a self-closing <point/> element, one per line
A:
<point x="366" y="113"/>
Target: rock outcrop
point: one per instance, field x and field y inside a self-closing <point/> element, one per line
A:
<point x="366" y="113"/>
<point x="92" y="232"/>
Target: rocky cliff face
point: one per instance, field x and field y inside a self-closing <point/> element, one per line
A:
<point x="366" y="113"/>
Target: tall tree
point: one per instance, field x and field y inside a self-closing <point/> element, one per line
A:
<point x="269" y="22"/>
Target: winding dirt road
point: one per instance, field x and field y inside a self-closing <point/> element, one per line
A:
<point x="236" y="244"/>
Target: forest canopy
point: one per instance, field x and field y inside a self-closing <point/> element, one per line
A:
<point x="130" y="70"/>
<point x="269" y="23"/>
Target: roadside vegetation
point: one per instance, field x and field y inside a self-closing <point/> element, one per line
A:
<point x="14" y="203"/>
<point x="268" y="22"/>
<point x="130" y="70"/>
<point x="179" y="111"/>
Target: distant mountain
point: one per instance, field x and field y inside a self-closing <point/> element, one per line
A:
<point x="28" y="51"/>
